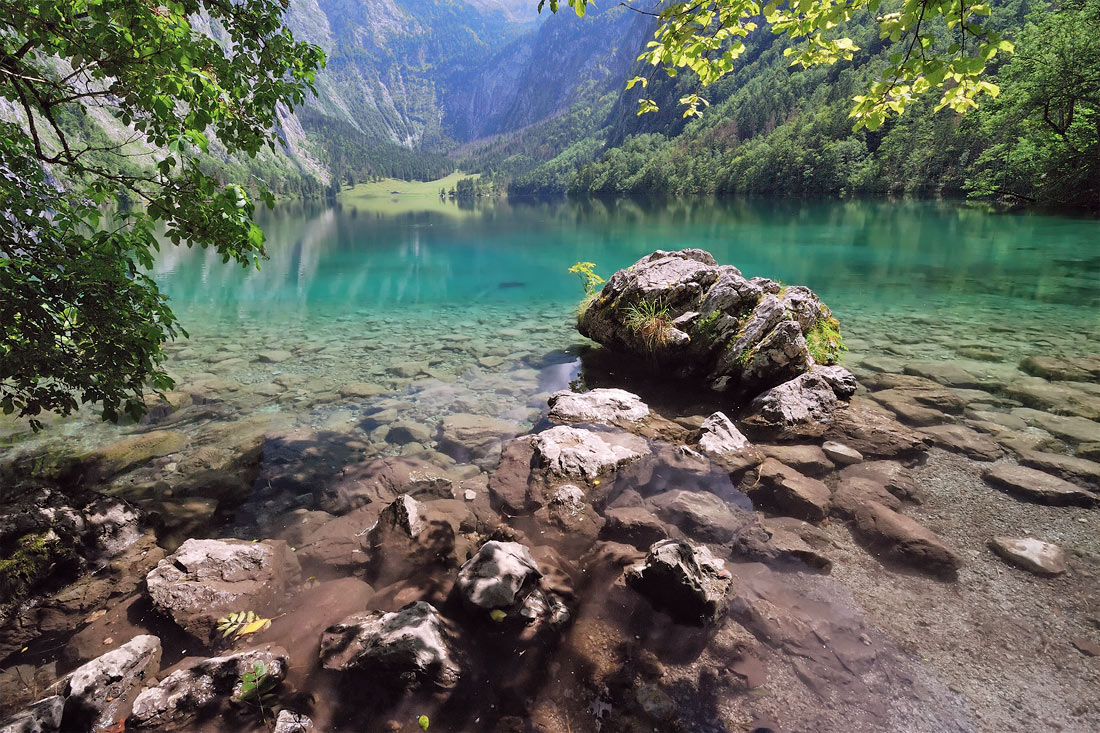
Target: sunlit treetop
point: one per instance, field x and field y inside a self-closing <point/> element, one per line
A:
<point x="941" y="46"/>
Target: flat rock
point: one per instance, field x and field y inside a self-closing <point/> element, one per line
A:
<point x="841" y="454"/>
<point x="682" y="579"/>
<point x="699" y="514"/>
<point x="205" y="579"/>
<point x="789" y="492"/>
<point x="275" y="356"/>
<point x="407" y="647"/>
<point x="1072" y="429"/>
<point x="607" y="406"/>
<point x="853" y="491"/>
<point x="808" y="459"/>
<point x="362" y="390"/>
<point x="945" y="373"/>
<point x="633" y="525"/>
<point x="1037" y="485"/>
<point x="1070" y="370"/>
<point x="1036" y="556"/>
<point x="901" y="538"/>
<point x="1072" y="468"/>
<point x="476" y="438"/>
<point x="1066" y="398"/>
<point x="128" y="453"/>
<point x="890" y="474"/>
<point x="407" y="431"/>
<point x="194" y="690"/>
<point x="874" y="433"/>
<point x="961" y="439"/>
<point x="568" y="451"/>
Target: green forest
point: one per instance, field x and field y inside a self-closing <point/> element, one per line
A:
<point x="774" y="129"/>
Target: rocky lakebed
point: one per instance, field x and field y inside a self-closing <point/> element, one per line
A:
<point x="709" y="520"/>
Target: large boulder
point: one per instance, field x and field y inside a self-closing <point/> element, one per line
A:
<point x="801" y="407"/>
<point x="408" y="647"/>
<point x="682" y="579"/>
<point x="685" y="312"/>
<point x="206" y="579"/>
<point x="196" y="689"/>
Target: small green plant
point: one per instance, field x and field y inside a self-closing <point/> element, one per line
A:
<point x="242" y="623"/>
<point x="707" y="328"/>
<point x="28" y="563"/>
<point x="651" y="321"/>
<point x="587" y="273"/>
<point x="824" y="341"/>
<point x="257" y="688"/>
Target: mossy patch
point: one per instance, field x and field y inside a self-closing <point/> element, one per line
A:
<point x="706" y="329"/>
<point x="824" y="341"/>
<point x="27" y="564"/>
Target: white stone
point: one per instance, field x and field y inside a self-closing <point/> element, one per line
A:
<point x="841" y="454"/>
<point x="1041" y="558"/>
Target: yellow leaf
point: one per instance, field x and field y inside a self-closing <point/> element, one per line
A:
<point x="258" y="625"/>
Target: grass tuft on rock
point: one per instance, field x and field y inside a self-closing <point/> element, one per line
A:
<point x="824" y="341"/>
<point x="650" y="321"/>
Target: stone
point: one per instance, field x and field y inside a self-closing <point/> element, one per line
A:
<point x="1036" y="556"/>
<point x="719" y="438"/>
<point x="1071" y="429"/>
<point x="699" y="514"/>
<point x="683" y="579"/>
<point x="1089" y="451"/>
<point x="945" y="373"/>
<point x="906" y="408"/>
<point x="808" y="459"/>
<point x="841" y="454"/>
<point x="633" y="525"/>
<point x="1037" y="486"/>
<point x="1055" y="368"/>
<point x="380" y="481"/>
<point x="43" y="716"/>
<point x="852" y="492"/>
<point x="99" y="694"/>
<point x="362" y="390"/>
<point x="791" y="544"/>
<point x="721" y="329"/>
<point x="874" y="433"/>
<point x="961" y="439"/>
<point x="498" y="577"/>
<point x="192" y="691"/>
<point x="274" y="356"/>
<point x="1078" y="470"/>
<point x="894" y="477"/>
<point x="1067" y="398"/>
<point x="789" y="492"/>
<point x="407" y="647"/>
<point x="292" y="722"/>
<point x="567" y="451"/>
<point x="801" y="407"/>
<point x="205" y="579"/>
<point x="607" y="406"/>
<point x="840" y="379"/>
<point x="411" y="534"/>
<point x="408" y="369"/>
<point x="901" y="538"/>
<point x="128" y="453"/>
<point x="407" y="431"/>
<point x="476" y="438"/>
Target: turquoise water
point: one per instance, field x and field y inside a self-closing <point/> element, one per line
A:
<point x="479" y="299"/>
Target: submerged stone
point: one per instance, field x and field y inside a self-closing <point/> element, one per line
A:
<point x="1037" y="486"/>
<point x="1036" y="556"/>
<point x="498" y="576"/>
<point x="683" y="579"/>
<point x="567" y="451"/>
<point x="608" y="406"/>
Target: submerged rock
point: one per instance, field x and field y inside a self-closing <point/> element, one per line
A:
<point x="191" y="691"/>
<point x="720" y="439"/>
<point x="903" y="539"/>
<point x="1037" y="486"/>
<point x="408" y="647"/>
<point x="43" y="716"/>
<point x="292" y="722"/>
<point x="684" y="312"/>
<point x="683" y="579"/>
<point x="1041" y="558"/>
<point x="699" y="514"/>
<point x="476" y="438"/>
<point x="789" y="492"/>
<point x="607" y="406"/>
<point x="205" y="579"/>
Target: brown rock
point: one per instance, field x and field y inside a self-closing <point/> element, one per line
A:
<point x="1071" y="468"/>
<point x="901" y="538"/>
<point x="633" y="525"/>
<point x="873" y="433"/>
<point x="785" y="490"/>
<point x="1037" y="486"/>
<point x="961" y="439"/>
<point x="808" y="459"/>
<point x="1041" y="558"/>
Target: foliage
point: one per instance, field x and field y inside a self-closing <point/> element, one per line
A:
<point x="706" y="328"/>
<point x="587" y="273"/>
<point x="708" y="36"/>
<point x="423" y="722"/>
<point x="25" y="563"/>
<point x="80" y="321"/>
<point x="1044" y="131"/>
<point x="651" y="321"/>
<point x="242" y="623"/>
<point x="824" y="341"/>
<point x="257" y="685"/>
